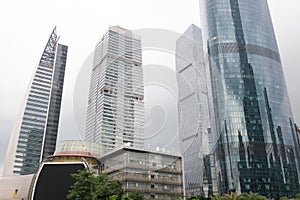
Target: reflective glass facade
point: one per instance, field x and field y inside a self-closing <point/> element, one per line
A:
<point x="115" y="113"/>
<point x="35" y="132"/>
<point x="255" y="142"/>
<point x="193" y="113"/>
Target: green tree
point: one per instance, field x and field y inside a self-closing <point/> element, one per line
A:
<point x="136" y="195"/>
<point x="230" y="196"/>
<point x="126" y="197"/>
<point x="83" y="187"/>
<point x="196" y="197"/>
<point x="106" y="187"/>
<point x="252" y="196"/>
<point x="217" y="197"/>
<point x="284" y="198"/>
<point x="193" y="197"/>
<point x="88" y="186"/>
<point x="296" y="198"/>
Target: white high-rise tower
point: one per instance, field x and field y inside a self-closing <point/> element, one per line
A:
<point x="115" y="114"/>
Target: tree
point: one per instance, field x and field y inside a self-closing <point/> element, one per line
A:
<point x="106" y="187"/>
<point x="296" y="198"/>
<point x="230" y="196"/>
<point x="217" y="197"/>
<point x="136" y="195"/>
<point x="284" y="198"/>
<point x="195" y="197"/>
<point x="88" y="186"/>
<point x="126" y="197"/>
<point x="192" y="197"/>
<point x="83" y="187"/>
<point x="252" y="196"/>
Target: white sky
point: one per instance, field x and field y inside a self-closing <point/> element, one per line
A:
<point x="26" y="25"/>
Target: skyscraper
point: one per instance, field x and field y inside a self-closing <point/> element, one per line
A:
<point x="34" y="134"/>
<point x="193" y="112"/>
<point x="256" y="145"/>
<point x="115" y="114"/>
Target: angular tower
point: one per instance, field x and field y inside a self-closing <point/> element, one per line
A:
<point x="255" y="142"/>
<point x="35" y="131"/>
<point x="194" y="120"/>
<point x="115" y="114"/>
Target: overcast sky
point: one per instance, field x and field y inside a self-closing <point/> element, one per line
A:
<point x="26" y="25"/>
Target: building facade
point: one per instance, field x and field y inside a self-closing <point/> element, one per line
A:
<point x="53" y="180"/>
<point x="115" y="114"/>
<point x="34" y="135"/>
<point x="157" y="174"/>
<point x="78" y="146"/>
<point x="255" y="143"/>
<point x="194" y="113"/>
<point x="78" y="151"/>
<point x="15" y="187"/>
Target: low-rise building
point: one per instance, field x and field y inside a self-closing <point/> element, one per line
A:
<point x="157" y="174"/>
<point x="54" y="173"/>
<point x="15" y="187"/>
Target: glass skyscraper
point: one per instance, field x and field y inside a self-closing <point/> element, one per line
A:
<point x="256" y="146"/>
<point x="34" y="135"/>
<point x="193" y="113"/>
<point x="115" y="113"/>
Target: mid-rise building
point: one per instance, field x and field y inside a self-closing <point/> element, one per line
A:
<point x="115" y="113"/>
<point x="194" y="113"/>
<point x="255" y="142"/>
<point x="34" y="134"/>
<point x="157" y="174"/>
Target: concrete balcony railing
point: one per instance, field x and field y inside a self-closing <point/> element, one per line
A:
<point x="143" y="167"/>
<point x="154" y="190"/>
<point x="147" y="179"/>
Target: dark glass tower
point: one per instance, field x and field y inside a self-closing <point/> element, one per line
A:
<point x="34" y="135"/>
<point x="255" y="145"/>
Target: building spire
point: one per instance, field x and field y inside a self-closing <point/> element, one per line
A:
<point x="47" y="58"/>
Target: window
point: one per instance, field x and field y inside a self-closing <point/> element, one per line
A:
<point x="247" y="186"/>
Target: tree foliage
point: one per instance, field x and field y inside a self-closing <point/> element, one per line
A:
<point x="136" y="195"/>
<point x="252" y="196"/>
<point x="83" y="187"/>
<point x="195" y="197"/>
<point x="231" y="196"/>
<point x="297" y="197"/>
<point x="248" y="196"/>
<point x="235" y="196"/>
<point x="88" y="186"/>
<point x="216" y="197"/>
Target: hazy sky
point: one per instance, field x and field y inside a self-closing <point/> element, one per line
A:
<point x="26" y="26"/>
